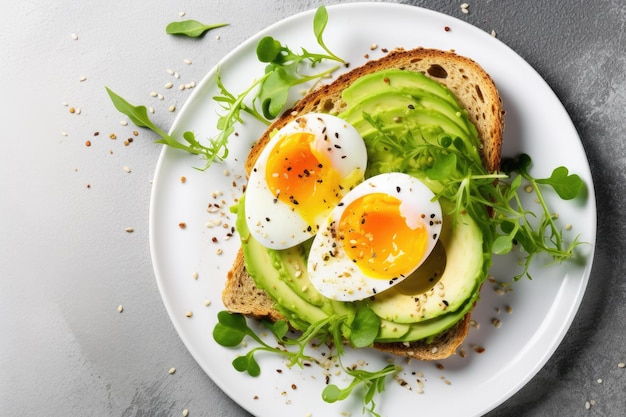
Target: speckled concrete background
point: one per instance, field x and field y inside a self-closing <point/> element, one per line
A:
<point x="64" y="267"/>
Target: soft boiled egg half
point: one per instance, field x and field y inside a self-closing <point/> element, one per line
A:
<point x="300" y="176"/>
<point x="378" y="234"/>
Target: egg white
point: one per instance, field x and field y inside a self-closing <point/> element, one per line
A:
<point x="277" y="225"/>
<point x="330" y="269"/>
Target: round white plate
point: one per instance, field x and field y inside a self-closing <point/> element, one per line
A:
<point x="191" y="267"/>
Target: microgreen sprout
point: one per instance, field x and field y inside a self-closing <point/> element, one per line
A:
<point x="270" y="92"/>
<point x="191" y="28"/>
<point x="232" y="328"/>
<point x="139" y="116"/>
<point x="494" y="200"/>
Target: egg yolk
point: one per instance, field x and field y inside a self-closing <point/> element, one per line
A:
<point x="300" y="176"/>
<point x="377" y="238"/>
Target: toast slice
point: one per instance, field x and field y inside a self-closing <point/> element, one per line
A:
<point x="475" y="91"/>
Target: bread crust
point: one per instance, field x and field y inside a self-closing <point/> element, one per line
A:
<point x="475" y="91"/>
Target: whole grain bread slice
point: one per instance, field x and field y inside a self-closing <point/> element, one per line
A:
<point x="475" y="91"/>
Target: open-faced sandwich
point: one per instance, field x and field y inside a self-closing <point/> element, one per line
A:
<point x="345" y="208"/>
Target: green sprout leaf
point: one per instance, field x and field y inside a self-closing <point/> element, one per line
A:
<point x="566" y="186"/>
<point x="190" y="28"/>
<point x="364" y="327"/>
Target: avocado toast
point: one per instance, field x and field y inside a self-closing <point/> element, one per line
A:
<point x="432" y="96"/>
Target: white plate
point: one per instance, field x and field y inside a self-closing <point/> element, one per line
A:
<point x="539" y="311"/>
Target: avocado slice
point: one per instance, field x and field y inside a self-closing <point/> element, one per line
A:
<point x="406" y="101"/>
<point x="397" y="80"/>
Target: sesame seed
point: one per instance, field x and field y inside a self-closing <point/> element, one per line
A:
<point x="127" y="170"/>
<point x="181" y="87"/>
<point x="129" y="230"/>
<point x="599" y="381"/>
<point x="207" y="303"/>
<point x="181" y="14"/>
<point x="153" y="94"/>
<point x="493" y="33"/>
<point x="187" y="61"/>
<point x="185" y="412"/>
<point x="189" y="314"/>
<point x="587" y="405"/>
<point x="74" y="36"/>
<point x="120" y="308"/>
<point x="170" y="71"/>
<point x="123" y="122"/>
<point x="171" y="371"/>
<point x="169" y="85"/>
<point x="621" y="365"/>
<point x="172" y="108"/>
<point x="194" y="275"/>
<point x="151" y="109"/>
<point x="83" y="78"/>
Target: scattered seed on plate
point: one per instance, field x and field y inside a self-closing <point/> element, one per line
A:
<point x="194" y="275"/>
<point x="187" y="61"/>
<point x="171" y="371"/>
<point x="129" y="230"/>
<point x="82" y="78"/>
<point x="207" y="303"/>
<point x="74" y="36"/>
<point x="153" y="94"/>
<point x="151" y="110"/>
<point x="168" y="85"/>
<point x="170" y="71"/>
<point x="172" y="108"/>
<point x="123" y="123"/>
<point x="120" y="308"/>
<point x="465" y="8"/>
<point x="127" y="170"/>
<point x="182" y="225"/>
<point x="189" y="314"/>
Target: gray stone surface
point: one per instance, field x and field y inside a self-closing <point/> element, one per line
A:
<point x="66" y="262"/>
